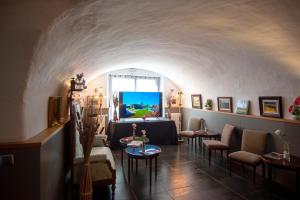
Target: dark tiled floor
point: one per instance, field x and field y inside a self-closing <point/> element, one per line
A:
<point x="183" y="174"/>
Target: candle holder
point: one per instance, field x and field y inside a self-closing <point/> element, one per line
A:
<point x="133" y="131"/>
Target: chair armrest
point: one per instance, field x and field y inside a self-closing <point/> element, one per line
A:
<point x="93" y="159"/>
<point x="99" y="140"/>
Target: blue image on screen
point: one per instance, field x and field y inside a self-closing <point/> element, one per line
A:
<point x="140" y="104"/>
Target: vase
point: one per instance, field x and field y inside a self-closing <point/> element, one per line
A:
<point x="296" y="117"/>
<point x="208" y="107"/>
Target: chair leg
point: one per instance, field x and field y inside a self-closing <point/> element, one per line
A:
<point x="263" y="170"/>
<point x="209" y="157"/>
<point x="113" y="188"/>
<point x="188" y="140"/>
<point x="254" y="174"/>
<point x="229" y="163"/>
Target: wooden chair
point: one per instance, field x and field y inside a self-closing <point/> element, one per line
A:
<point x="253" y="146"/>
<point x="193" y="125"/>
<point x="222" y="145"/>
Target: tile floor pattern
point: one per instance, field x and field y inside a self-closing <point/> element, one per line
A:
<point x="183" y="174"/>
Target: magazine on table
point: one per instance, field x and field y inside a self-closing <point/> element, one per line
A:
<point x="151" y="151"/>
<point x="135" y="143"/>
<point x="274" y="155"/>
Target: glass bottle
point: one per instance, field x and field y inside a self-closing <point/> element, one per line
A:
<point x="286" y="151"/>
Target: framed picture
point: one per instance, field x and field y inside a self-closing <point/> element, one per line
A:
<point x="242" y="107"/>
<point x="54" y="110"/>
<point x="196" y="101"/>
<point x="270" y="106"/>
<point x="225" y="104"/>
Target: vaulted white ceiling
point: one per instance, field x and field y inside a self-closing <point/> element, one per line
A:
<point x="242" y="48"/>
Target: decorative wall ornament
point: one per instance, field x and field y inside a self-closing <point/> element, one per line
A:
<point x="116" y="103"/>
<point x="270" y="106"/>
<point x="242" y="107"/>
<point x="225" y="104"/>
<point x="196" y="101"/>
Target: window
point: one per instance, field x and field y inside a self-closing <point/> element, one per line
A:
<point x="134" y="83"/>
<point x="146" y="85"/>
<point x="122" y="84"/>
<point x="130" y="83"/>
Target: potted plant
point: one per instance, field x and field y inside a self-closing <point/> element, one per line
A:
<point x="294" y="109"/>
<point x="208" y="104"/>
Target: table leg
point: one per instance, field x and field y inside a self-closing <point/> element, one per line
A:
<point x="155" y="167"/>
<point x="136" y="166"/>
<point x="129" y="161"/>
<point x="122" y="149"/>
<point x="297" y="181"/>
<point x="270" y="177"/>
<point x="150" y="172"/>
<point x="131" y="164"/>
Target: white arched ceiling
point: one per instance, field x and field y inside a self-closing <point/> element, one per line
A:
<point x="243" y="49"/>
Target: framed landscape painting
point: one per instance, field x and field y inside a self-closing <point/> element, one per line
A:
<point x="270" y="106"/>
<point x="225" y="104"/>
<point x="242" y="107"/>
<point x="196" y="101"/>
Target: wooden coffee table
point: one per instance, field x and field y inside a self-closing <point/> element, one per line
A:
<point x="151" y="152"/>
<point x="273" y="162"/>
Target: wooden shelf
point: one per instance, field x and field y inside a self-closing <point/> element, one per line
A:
<point x="37" y="140"/>
<point x="251" y="116"/>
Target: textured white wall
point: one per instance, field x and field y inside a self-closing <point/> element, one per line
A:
<point x="242" y="49"/>
<point x="21" y="25"/>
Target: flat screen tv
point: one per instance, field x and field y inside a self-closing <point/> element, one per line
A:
<point x="139" y="104"/>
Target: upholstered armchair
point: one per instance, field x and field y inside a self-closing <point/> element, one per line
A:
<point x="194" y="124"/>
<point x="222" y="145"/>
<point x="253" y="146"/>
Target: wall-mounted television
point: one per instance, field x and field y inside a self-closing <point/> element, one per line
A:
<point x="140" y="104"/>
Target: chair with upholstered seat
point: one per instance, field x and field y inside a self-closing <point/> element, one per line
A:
<point x="222" y="145"/>
<point x="253" y="146"/>
<point x="194" y="124"/>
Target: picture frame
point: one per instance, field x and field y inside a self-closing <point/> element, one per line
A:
<point x="225" y="104"/>
<point x="54" y="109"/>
<point x="196" y="101"/>
<point x="270" y="106"/>
<point x="242" y="107"/>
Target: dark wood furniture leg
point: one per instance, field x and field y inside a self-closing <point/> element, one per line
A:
<point x="229" y="163"/>
<point x="122" y="149"/>
<point x="136" y="166"/>
<point x="150" y="172"/>
<point x="297" y="181"/>
<point x="263" y="170"/>
<point x="254" y="174"/>
<point x="131" y="164"/>
<point x="270" y="177"/>
<point x="155" y="167"/>
<point x="209" y="157"/>
<point x="129" y="161"/>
